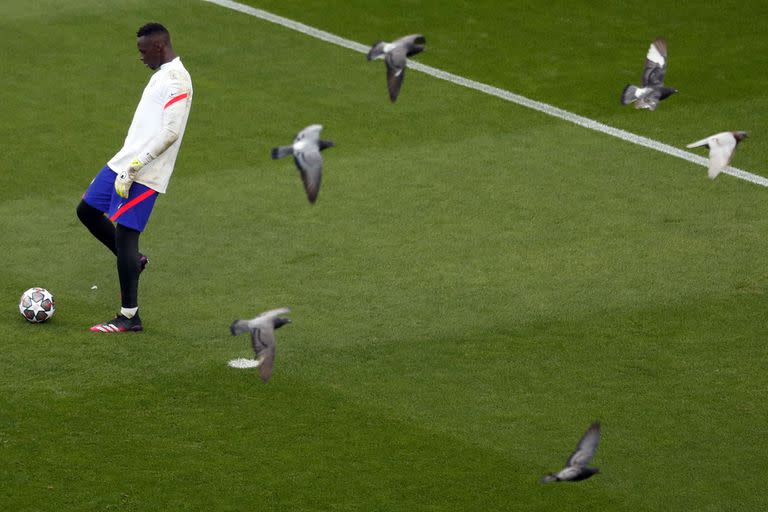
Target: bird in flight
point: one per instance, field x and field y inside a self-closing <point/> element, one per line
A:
<point x="576" y="468"/>
<point x="306" y="149"/>
<point x="396" y="56"/>
<point x="721" y="148"/>
<point x="262" y="329"/>
<point x="652" y="89"/>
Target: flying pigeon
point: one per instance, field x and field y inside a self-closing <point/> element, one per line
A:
<point x="262" y="329"/>
<point x="653" y="90"/>
<point x="576" y="468"/>
<point x="721" y="147"/>
<point x="306" y="150"/>
<point x="395" y="57"/>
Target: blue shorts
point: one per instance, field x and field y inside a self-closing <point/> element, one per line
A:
<point x="132" y="212"/>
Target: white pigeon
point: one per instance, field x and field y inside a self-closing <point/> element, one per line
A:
<point x="396" y="56"/>
<point x="306" y="150"/>
<point x="576" y="468"/>
<point x="721" y="147"/>
<point x="652" y="89"/>
<point x="262" y="329"/>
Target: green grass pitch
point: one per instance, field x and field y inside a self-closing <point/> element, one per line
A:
<point x="476" y="284"/>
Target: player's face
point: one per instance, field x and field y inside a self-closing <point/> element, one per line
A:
<point x="150" y="51"/>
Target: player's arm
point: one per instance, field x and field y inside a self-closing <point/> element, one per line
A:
<point x="175" y="110"/>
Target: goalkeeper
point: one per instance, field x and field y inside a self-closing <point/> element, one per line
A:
<point x="119" y="200"/>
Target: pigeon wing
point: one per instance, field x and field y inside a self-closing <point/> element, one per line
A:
<point x="410" y="39"/>
<point x="263" y="341"/>
<point x="720" y="152"/>
<point x="310" y="164"/>
<point x="586" y="448"/>
<point x="267" y="364"/>
<point x="396" y="61"/>
<point x="655" y="64"/>
<point x="309" y="134"/>
<point x="272" y="313"/>
<point x="702" y="142"/>
<point x="261" y="337"/>
<point x="247" y="325"/>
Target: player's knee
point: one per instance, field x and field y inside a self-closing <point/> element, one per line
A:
<point x="86" y="212"/>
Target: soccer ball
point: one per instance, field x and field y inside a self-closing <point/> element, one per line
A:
<point x="37" y="305"/>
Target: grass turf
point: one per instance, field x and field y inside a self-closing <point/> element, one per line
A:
<point x="475" y="285"/>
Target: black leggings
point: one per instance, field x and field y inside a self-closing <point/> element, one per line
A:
<point x="123" y="242"/>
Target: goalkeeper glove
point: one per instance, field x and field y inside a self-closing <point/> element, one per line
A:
<point x="125" y="179"/>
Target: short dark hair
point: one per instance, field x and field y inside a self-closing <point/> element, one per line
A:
<point x="151" y="28"/>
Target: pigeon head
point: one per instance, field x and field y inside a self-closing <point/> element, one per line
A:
<point x="666" y="92"/>
<point x="278" y="322"/>
<point x="739" y="136"/>
<point x="323" y="144"/>
<point x="586" y="473"/>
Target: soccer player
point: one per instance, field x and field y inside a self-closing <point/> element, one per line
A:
<point x="119" y="200"/>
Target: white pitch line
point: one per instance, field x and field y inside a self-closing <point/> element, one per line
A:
<point x="545" y="108"/>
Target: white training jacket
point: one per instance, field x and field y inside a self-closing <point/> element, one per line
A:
<point x="158" y="126"/>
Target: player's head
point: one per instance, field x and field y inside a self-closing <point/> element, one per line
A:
<point x="154" y="43"/>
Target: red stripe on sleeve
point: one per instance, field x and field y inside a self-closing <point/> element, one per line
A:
<point x="175" y="99"/>
<point x="130" y="204"/>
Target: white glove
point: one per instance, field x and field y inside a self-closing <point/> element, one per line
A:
<point x="125" y="179"/>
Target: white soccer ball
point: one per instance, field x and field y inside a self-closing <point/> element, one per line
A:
<point x="37" y="305"/>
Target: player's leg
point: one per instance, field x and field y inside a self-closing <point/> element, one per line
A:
<point x="127" y="241"/>
<point x="95" y="203"/>
<point x="97" y="224"/>
<point x="131" y="216"/>
<point x="128" y="269"/>
<point x="93" y="207"/>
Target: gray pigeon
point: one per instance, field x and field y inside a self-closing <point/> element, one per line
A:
<point x="576" y="468"/>
<point x="396" y="57"/>
<point x="262" y="329"/>
<point x="652" y="90"/>
<point x="721" y="148"/>
<point x="306" y="150"/>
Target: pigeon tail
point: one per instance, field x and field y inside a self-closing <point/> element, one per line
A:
<point x="281" y="151"/>
<point x="628" y="94"/>
<point x="648" y="102"/>
<point x="666" y="92"/>
<point x="548" y="478"/>
<point x="238" y="326"/>
<point x="377" y="50"/>
<point x="325" y="144"/>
